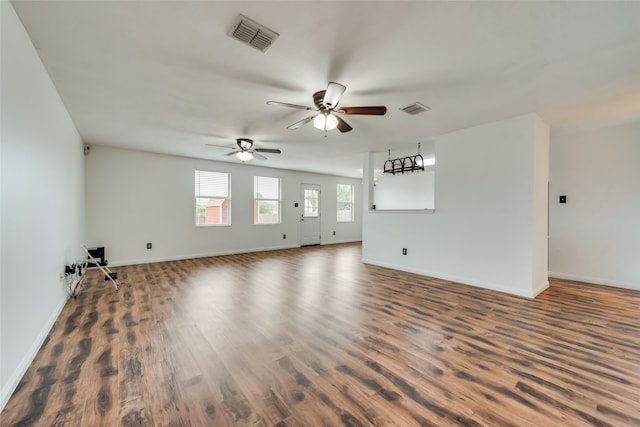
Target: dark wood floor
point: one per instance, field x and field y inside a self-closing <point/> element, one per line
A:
<point x="312" y="337"/>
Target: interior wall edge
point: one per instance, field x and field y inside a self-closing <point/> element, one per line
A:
<point x="458" y="279"/>
<point x="337" y="242"/>
<point x="219" y="253"/>
<point x="537" y="290"/>
<point x="595" y="280"/>
<point x="15" y="378"/>
<point x="122" y="263"/>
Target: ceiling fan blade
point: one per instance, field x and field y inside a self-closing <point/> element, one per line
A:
<point x="259" y="156"/>
<point x="220" y="146"/>
<point x="332" y="94"/>
<point x="268" y="150"/>
<point x="284" y="104"/>
<point x="244" y="143"/>
<point x="342" y="125"/>
<point x="376" y="111"/>
<point x="302" y="122"/>
<point x="231" y="153"/>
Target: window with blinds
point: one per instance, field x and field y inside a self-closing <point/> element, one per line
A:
<point x="345" y="203"/>
<point x="266" y="200"/>
<point x="212" y="198"/>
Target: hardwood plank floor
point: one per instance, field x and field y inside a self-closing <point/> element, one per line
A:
<point x="313" y="337"/>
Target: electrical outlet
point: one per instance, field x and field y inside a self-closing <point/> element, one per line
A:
<point x="563" y="199"/>
<point x="284" y="236"/>
<point x="404" y="251"/>
<point x="148" y="245"/>
<point x="334" y="233"/>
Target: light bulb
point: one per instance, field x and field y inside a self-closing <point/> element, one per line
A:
<point x="244" y="156"/>
<point x="325" y="121"/>
<point x="319" y="121"/>
<point x="331" y="123"/>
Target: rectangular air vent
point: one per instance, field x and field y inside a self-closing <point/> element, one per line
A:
<point x="250" y="32"/>
<point x="415" y="108"/>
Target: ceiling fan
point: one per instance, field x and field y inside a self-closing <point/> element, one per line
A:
<point x="245" y="150"/>
<point x="326" y="102"/>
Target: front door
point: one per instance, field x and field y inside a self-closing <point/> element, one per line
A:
<point x="310" y="215"/>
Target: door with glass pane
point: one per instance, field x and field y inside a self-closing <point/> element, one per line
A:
<point x="310" y="215"/>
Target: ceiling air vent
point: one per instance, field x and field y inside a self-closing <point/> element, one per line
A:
<point x="415" y="108"/>
<point x="250" y="32"/>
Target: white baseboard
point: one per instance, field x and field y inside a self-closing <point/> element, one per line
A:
<point x="121" y="263"/>
<point x="540" y="288"/>
<point x="13" y="381"/>
<point x="335" y="242"/>
<point x="463" y="280"/>
<point x="595" y="280"/>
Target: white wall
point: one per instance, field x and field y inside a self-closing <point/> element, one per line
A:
<point x="42" y="202"/>
<point x="415" y="190"/>
<point x="489" y="211"/>
<point x="540" y="214"/>
<point x="595" y="236"/>
<point x="135" y="197"/>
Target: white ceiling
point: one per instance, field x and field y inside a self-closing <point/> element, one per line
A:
<point x="164" y="76"/>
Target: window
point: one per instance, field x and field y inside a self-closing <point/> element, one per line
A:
<point x="345" y="203"/>
<point x="311" y="202"/>
<point x="212" y="198"/>
<point x="266" y="203"/>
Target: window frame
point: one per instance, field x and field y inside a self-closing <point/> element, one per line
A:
<point x="211" y="196"/>
<point x="257" y="200"/>
<point x="352" y="203"/>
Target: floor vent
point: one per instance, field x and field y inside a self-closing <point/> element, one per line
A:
<point x="250" y="32"/>
<point x="415" y="108"/>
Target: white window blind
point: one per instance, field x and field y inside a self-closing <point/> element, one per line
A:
<point x="266" y="194"/>
<point x="212" y="198"/>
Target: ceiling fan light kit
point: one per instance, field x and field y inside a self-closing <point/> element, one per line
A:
<point x="326" y="103"/>
<point x="325" y="122"/>
<point x="244" y="156"/>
